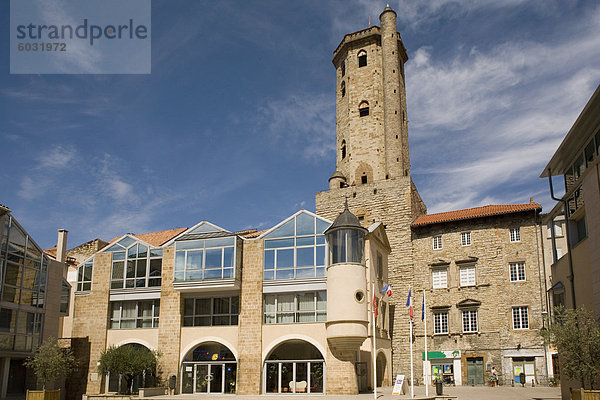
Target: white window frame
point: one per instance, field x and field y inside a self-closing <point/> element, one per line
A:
<point x="440" y="323"/>
<point x="465" y="238"/>
<point x="468" y="318"/>
<point x="517" y="271"/>
<point x="137" y="319"/>
<point x="185" y="249"/>
<point x="83" y="284"/>
<point x="467" y="278"/>
<point x="520" y="317"/>
<point x="559" y="254"/>
<point x="320" y="315"/>
<point x="437" y="242"/>
<point x="123" y="263"/>
<point x="557" y="225"/>
<point x="442" y="278"/>
<point x="515" y="235"/>
<point x="233" y="315"/>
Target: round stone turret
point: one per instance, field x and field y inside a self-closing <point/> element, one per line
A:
<point x="337" y="180"/>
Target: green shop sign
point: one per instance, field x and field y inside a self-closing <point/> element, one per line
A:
<point x="441" y="354"/>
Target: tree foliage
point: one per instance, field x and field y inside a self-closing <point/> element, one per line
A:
<point x="576" y="336"/>
<point x="50" y="362"/>
<point x="127" y="361"/>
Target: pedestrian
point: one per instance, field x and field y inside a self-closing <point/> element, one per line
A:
<point x="494" y="376"/>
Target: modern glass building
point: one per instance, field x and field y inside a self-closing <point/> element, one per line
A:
<point x="232" y="312"/>
<point x="33" y="297"/>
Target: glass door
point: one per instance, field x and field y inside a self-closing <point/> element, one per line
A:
<point x="215" y="373"/>
<point x="202" y="378"/>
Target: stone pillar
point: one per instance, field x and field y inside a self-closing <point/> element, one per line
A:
<point x="250" y="320"/>
<point x="91" y="318"/>
<point x="169" y="323"/>
<point x="341" y="373"/>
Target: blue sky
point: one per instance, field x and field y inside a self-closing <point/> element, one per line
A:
<point x="236" y="122"/>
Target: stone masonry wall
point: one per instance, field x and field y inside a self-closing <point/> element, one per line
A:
<point x="250" y="320"/>
<point x="169" y="325"/>
<point x="492" y="247"/>
<point x="91" y="316"/>
<point x="389" y="202"/>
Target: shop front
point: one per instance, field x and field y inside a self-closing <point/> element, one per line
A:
<point x="210" y="368"/>
<point x="294" y="366"/>
<point x="444" y="365"/>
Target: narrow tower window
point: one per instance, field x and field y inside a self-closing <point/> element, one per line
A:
<point x="363" y="109"/>
<point x="343" y="149"/>
<point x="343" y="68"/>
<point x="343" y="89"/>
<point x="362" y="58"/>
<point x="363" y="178"/>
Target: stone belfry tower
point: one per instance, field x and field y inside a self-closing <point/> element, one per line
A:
<point x="372" y="136"/>
<point x="373" y="166"/>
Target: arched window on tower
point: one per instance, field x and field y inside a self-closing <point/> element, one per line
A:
<point x="362" y="58"/>
<point x="343" y="88"/>
<point x="363" y="109"/>
<point x="343" y="148"/>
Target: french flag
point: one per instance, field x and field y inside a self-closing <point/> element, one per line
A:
<point x="387" y="289"/>
<point x="409" y="304"/>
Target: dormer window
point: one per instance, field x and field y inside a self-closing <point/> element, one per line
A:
<point x="363" y="109"/>
<point x="362" y="58"/>
<point x="295" y="249"/>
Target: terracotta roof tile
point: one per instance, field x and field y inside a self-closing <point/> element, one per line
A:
<point x="157" y="238"/>
<point x="248" y="233"/>
<point x="476" y="212"/>
<point x="254" y="234"/>
<point x="160" y="238"/>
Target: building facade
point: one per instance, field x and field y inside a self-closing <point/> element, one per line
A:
<point x="576" y="275"/>
<point x="373" y="173"/>
<point x="372" y="163"/>
<point x="34" y="298"/>
<point x="289" y="310"/>
<point x="482" y="272"/>
<point x="282" y="311"/>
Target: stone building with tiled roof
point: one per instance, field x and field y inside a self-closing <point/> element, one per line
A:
<point x="260" y="312"/>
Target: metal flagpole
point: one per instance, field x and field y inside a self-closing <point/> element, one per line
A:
<point x="374" y="349"/>
<point x="426" y="366"/>
<point x="412" y="383"/>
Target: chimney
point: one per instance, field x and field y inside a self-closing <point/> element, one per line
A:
<point x="61" y="245"/>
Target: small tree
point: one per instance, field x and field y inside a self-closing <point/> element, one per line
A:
<point x="50" y="362"/>
<point x="127" y="361"/>
<point x="576" y="336"/>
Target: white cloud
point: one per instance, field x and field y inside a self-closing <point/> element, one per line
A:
<point x="57" y="157"/>
<point x="492" y="119"/>
<point x="305" y="121"/>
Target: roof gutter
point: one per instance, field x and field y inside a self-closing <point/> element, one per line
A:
<point x="568" y="234"/>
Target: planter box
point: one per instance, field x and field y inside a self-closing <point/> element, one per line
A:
<point x="156" y="391"/>
<point x="43" y="394"/>
<point x="582" y="394"/>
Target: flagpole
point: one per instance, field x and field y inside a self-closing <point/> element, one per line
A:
<point x="412" y="383"/>
<point x="374" y="350"/>
<point x="426" y="362"/>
